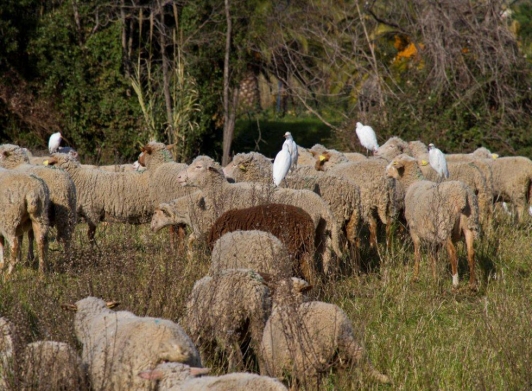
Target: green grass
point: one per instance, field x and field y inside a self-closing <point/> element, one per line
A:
<point x="424" y="335"/>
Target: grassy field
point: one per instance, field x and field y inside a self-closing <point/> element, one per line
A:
<point x="424" y="335"/>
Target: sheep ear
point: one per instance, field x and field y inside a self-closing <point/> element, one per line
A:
<point x="69" y="307"/>
<point x="170" y="146"/>
<point x="50" y="162"/>
<point x="199" y="371"/>
<point x="266" y="277"/>
<point x="211" y="168"/>
<point x="151" y="374"/>
<point x="305" y="288"/>
<point x="148" y="149"/>
<point x="112" y="304"/>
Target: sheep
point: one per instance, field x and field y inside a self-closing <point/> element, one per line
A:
<point x="207" y="176"/>
<point x="217" y="322"/>
<point x="479" y="153"/>
<point x="175" y="376"/>
<point x="24" y="205"/>
<point x="62" y="212"/>
<point x="342" y="195"/>
<point x="438" y="214"/>
<point x="392" y="147"/>
<point x="52" y="365"/>
<point x="7" y="349"/>
<point x="377" y="193"/>
<point x="306" y="340"/>
<point x="292" y="225"/>
<point x="122" y="197"/>
<point x="257" y="250"/>
<point x="117" y="345"/>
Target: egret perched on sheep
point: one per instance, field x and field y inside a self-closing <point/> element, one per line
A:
<point x="281" y="164"/>
<point x="437" y="161"/>
<point x="292" y="148"/>
<point x="367" y="137"/>
<point x="54" y="142"/>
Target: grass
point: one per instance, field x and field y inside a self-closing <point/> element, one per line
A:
<point x="423" y="334"/>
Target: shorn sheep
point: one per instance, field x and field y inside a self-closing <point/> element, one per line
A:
<point x="208" y="176"/>
<point x="62" y="211"/>
<point x="257" y="250"/>
<point x="292" y="225"/>
<point x="226" y="314"/>
<point x="181" y="377"/>
<point x="24" y="205"/>
<point x="437" y="214"/>
<point x="118" y="345"/>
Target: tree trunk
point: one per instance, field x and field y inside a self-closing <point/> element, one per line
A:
<point x="166" y="76"/>
<point x="229" y="102"/>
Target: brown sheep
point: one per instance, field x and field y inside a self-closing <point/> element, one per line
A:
<point x="291" y="224"/>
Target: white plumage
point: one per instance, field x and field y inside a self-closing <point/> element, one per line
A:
<point x="54" y="142"/>
<point x="367" y="137"/>
<point x="292" y="148"/>
<point x="281" y="165"/>
<point x="437" y="161"/>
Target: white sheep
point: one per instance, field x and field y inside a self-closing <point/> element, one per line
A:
<point x="24" y="205"/>
<point x="227" y="312"/>
<point x="257" y="250"/>
<point x="181" y="377"/>
<point x="306" y="340"/>
<point x="206" y="175"/>
<point x="122" y="197"/>
<point x="118" y="345"/>
<point x="438" y="214"/>
<point x="342" y="195"/>
<point x="62" y="212"/>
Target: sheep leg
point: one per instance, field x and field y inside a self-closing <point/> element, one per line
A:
<point x="417" y="256"/>
<point x="469" y="239"/>
<point x="40" y="237"/>
<point x="1" y="252"/>
<point x="91" y="232"/>
<point x="451" y="250"/>
<point x="372" y="233"/>
<point x="432" y="255"/>
<point x="15" y="248"/>
<point x="31" y="237"/>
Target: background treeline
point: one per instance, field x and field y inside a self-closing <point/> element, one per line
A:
<point x="112" y="74"/>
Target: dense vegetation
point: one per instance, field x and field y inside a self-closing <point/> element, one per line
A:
<point x="111" y="74"/>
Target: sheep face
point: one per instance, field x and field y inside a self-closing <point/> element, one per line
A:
<point x="161" y="218"/>
<point x="201" y="173"/>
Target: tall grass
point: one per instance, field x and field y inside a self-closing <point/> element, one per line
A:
<point x="424" y="334"/>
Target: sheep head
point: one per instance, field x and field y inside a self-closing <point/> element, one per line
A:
<point x="162" y="217"/>
<point x="393" y="147"/>
<point x="203" y="172"/>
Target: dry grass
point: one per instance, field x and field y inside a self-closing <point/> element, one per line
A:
<point x="422" y="334"/>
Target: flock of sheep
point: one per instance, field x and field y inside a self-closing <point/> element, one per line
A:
<point x="268" y="244"/>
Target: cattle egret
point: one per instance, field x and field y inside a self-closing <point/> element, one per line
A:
<point x="281" y="165"/>
<point x="367" y="137"/>
<point x="292" y="148"/>
<point x="54" y="142"/>
<point x="437" y="161"/>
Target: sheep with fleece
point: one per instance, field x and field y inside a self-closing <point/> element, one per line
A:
<point x="342" y="195"/>
<point x="122" y="197"/>
<point x="254" y="249"/>
<point x="226" y="314"/>
<point x="437" y="214"/>
<point x="62" y="212"/>
<point x="24" y="205"/>
<point x="181" y="377"/>
<point x="378" y="200"/>
<point x="307" y="339"/>
<point x="52" y="365"/>
<point x="118" y="345"/>
<point x="291" y="224"/>
<point x="208" y="176"/>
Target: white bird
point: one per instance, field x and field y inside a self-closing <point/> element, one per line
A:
<point x="292" y="148"/>
<point x="281" y="165"/>
<point x="54" y="142"/>
<point x="437" y="161"/>
<point x="367" y="137"/>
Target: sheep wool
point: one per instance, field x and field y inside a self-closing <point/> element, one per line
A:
<point x="118" y="345"/>
<point x="215" y="318"/>
<point x="254" y="249"/>
<point x="181" y="377"/>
